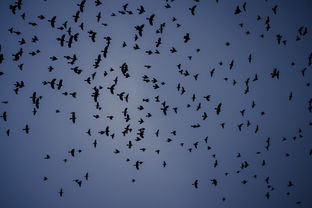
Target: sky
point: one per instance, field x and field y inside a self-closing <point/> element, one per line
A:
<point x="234" y="47"/>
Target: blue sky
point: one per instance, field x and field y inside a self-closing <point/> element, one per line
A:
<point x="216" y="40"/>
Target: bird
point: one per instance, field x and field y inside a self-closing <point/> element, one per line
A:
<point x="218" y="108"/>
<point x="214" y="182"/>
<point x="26" y="129"/>
<point x="61" y="192"/>
<point x="73" y="117"/>
<point x="192" y="9"/>
<point x="4" y="116"/>
<point x="195" y="184"/>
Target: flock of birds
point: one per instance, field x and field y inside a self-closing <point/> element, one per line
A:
<point x="75" y="27"/>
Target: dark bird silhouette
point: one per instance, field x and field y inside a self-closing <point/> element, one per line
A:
<point x="26" y="129"/>
<point x="52" y="21"/>
<point x="95" y="143"/>
<point x="61" y="192"/>
<point x="86" y="176"/>
<point x="151" y="19"/>
<point x="4" y="116"/>
<point x="195" y="184"/>
<point x="186" y="37"/>
<point x="164" y="108"/>
<point x="137" y="164"/>
<point x="237" y="10"/>
<point x="73" y="117"/>
<point x="274" y="9"/>
<point x="139" y="28"/>
<point x="214" y="181"/>
<point x="218" y="108"/>
<point x="275" y="73"/>
<point x="192" y="9"/>
<point x="81" y="5"/>
<point x="141" y="9"/>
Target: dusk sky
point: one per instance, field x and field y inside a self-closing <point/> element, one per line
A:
<point x="169" y="103"/>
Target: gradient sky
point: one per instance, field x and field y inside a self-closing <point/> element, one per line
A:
<point x="23" y="166"/>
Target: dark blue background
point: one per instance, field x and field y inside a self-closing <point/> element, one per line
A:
<point x="109" y="185"/>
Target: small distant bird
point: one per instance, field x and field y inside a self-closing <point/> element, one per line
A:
<point x="195" y="184"/>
